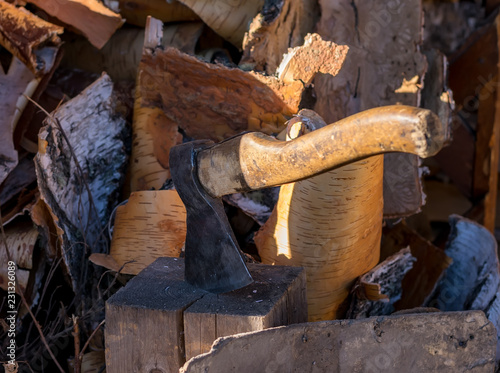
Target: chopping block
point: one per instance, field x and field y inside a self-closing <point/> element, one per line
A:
<point x="158" y="321"/>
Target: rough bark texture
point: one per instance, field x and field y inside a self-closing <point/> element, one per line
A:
<point x="80" y="197"/>
<point x="435" y="342"/>
<point x="18" y="81"/>
<point x="228" y="18"/>
<point x="89" y="17"/>
<point x="150" y="225"/>
<point x="472" y="281"/>
<point x="383" y="67"/>
<point x="31" y="39"/>
<point x="153" y="133"/>
<point x="279" y="25"/>
<point x="378" y="290"/>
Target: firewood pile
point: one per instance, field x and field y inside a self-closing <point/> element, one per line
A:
<point x="94" y="95"/>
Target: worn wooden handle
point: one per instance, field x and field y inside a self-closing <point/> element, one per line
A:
<point x="254" y="160"/>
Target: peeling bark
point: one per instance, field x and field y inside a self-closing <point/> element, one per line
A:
<point x="81" y="194"/>
<point x="31" y="39"/>
<point x="279" y="25"/>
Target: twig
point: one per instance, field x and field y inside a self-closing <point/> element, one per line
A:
<point x="4" y="238"/>
<point x="89" y="339"/>
<point x="40" y="332"/>
<point x="76" y="338"/>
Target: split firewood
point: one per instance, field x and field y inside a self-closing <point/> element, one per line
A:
<point x="153" y="133"/>
<point x="476" y="137"/>
<point x="472" y="281"/>
<point x="150" y="225"/>
<point x="81" y="54"/>
<point x="228" y="18"/>
<point x="17" y="192"/>
<point x="136" y="12"/>
<point x="230" y="99"/>
<point x="385" y="67"/>
<point x="330" y="224"/>
<point x="18" y="82"/>
<point x="435" y="342"/>
<point x="88" y="17"/>
<point x="378" y="290"/>
<point x="31" y="39"/>
<point x="79" y="168"/>
<point x="278" y="26"/>
<point x="431" y="262"/>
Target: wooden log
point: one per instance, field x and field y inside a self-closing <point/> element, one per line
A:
<point x="477" y="101"/>
<point x="88" y="17"/>
<point x="157" y="317"/>
<point x="278" y="26"/>
<point x="150" y="225"/>
<point x="384" y="67"/>
<point x="377" y="290"/>
<point x="276" y="297"/>
<point x="331" y="225"/>
<point x="153" y="133"/>
<point x="79" y="169"/>
<point x="31" y="39"/>
<point x="444" y="342"/>
<point x="211" y="101"/>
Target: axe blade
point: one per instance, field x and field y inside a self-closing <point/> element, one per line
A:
<point x="213" y="259"/>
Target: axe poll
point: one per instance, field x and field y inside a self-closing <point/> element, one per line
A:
<point x="203" y="172"/>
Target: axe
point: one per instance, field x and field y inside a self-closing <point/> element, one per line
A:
<point x="203" y="172"/>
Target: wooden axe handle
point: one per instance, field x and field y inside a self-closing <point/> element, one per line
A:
<point x="255" y="161"/>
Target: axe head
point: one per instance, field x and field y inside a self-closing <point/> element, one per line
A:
<point x="213" y="258"/>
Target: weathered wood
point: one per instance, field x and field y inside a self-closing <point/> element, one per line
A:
<point x="278" y="26"/>
<point x="254" y="160"/>
<point x="144" y="320"/>
<point x="156" y="318"/>
<point x="383" y="67"/>
<point x="17" y="82"/>
<point x="81" y="193"/>
<point x="81" y="54"/>
<point x="150" y="225"/>
<point x="31" y="39"/>
<point x="378" y="290"/>
<point x="431" y="262"/>
<point x="89" y="17"/>
<point x="472" y="281"/>
<point x="476" y="99"/>
<point x="444" y="342"/>
<point x="276" y="297"/>
<point x="474" y="253"/>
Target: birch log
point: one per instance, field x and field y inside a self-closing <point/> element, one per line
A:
<point x="330" y="224"/>
<point x="153" y="133"/>
<point x="79" y="169"/>
<point x="31" y="39"/>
